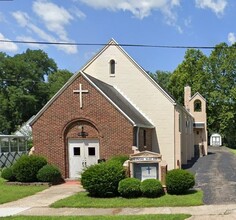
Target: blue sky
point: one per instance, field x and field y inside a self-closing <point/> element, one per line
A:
<point x="153" y="22"/>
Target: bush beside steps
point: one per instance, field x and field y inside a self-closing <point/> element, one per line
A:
<point x="32" y="170"/>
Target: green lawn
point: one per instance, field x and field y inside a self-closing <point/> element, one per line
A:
<point x="82" y="200"/>
<point x="11" y="193"/>
<point x="121" y="217"/>
<point x="232" y="150"/>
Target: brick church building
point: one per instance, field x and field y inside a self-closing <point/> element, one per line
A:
<point x="113" y="107"/>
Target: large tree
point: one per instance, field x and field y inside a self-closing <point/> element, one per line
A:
<point x="57" y="80"/>
<point x="24" y="88"/>
<point x="162" y="78"/>
<point x="190" y="72"/>
<point x="221" y="70"/>
<point x="215" y="78"/>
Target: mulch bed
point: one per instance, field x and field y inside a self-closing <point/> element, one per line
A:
<point x="29" y="184"/>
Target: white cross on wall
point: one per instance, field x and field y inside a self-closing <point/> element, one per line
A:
<point x="80" y="91"/>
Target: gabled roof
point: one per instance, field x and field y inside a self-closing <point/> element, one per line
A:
<point x="113" y="43"/>
<point x="110" y="93"/>
<point x="146" y="154"/>
<point x="63" y="88"/>
<point x="120" y="102"/>
<point x="197" y="94"/>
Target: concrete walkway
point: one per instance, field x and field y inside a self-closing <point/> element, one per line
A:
<point x="41" y="199"/>
<point x="38" y="205"/>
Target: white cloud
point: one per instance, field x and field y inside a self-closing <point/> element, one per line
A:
<point x="54" y="17"/>
<point x="23" y="19"/>
<point x="139" y="8"/>
<point x="77" y="12"/>
<point x="7" y="46"/>
<point x="231" y="38"/>
<point x="217" y="6"/>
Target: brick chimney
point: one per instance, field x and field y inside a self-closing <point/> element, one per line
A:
<point x="187" y="97"/>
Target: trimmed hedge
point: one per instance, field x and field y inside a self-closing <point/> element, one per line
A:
<point x="49" y="173"/>
<point x="129" y="188"/>
<point x="179" y="181"/>
<point x="7" y="174"/>
<point x="151" y="188"/>
<point x="26" y="168"/>
<point x="101" y="180"/>
<point x="120" y="158"/>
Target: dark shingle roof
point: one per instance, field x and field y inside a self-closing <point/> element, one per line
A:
<point x="121" y="102"/>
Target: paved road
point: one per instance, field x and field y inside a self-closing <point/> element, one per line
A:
<point x="216" y="176"/>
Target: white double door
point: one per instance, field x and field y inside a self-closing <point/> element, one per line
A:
<point x="82" y="153"/>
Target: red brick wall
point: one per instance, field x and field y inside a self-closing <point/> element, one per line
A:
<point x="63" y="119"/>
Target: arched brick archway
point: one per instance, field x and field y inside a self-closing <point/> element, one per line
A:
<point x="81" y="141"/>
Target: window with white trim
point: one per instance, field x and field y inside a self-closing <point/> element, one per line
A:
<point x="112" y="67"/>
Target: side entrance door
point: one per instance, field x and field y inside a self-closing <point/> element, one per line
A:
<point x="216" y="141"/>
<point x="82" y="153"/>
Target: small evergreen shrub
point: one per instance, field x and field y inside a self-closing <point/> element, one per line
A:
<point x="26" y="167"/>
<point x="101" y="180"/>
<point x="120" y="158"/>
<point x="151" y="188"/>
<point x="7" y="174"/>
<point x="130" y="188"/>
<point x="179" y="181"/>
<point x="49" y="173"/>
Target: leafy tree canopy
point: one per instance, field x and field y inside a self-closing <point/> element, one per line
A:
<point x="214" y="76"/>
<point x="24" y="88"/>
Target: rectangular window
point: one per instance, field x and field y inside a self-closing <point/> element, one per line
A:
<point x="22" y="145"/>
<point x="91" y="151"/>
<point x="76" y="151"/>
<point x="4" y="145"/>
<point x="14" y="144"/>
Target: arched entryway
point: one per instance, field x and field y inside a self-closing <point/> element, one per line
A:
<point x="82" y="144"/>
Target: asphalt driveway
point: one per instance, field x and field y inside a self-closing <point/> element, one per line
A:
<point x="215" y="174"/>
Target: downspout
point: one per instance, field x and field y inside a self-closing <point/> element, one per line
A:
<point x="175" y="162"/>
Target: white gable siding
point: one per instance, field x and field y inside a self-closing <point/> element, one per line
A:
<point x="130" y="80"/>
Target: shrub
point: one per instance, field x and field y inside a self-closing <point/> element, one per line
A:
<point x="151" y="188"/>
<point x="101" y="180"/>
<point x="49" y="173"/>
<point x="179" y="181"/>
<point x="7" y="174"/>
<point x="26" y="167"/>
<point x="120" y="158"/>
<point x="129" y="188"/>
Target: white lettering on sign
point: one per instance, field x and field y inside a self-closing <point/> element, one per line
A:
<point x="145" y="159"/>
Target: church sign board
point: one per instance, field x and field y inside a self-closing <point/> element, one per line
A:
<point x="145" y="165"/>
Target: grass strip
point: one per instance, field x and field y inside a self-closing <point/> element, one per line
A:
<point x="232" y="150"/>
<point x="117" y="217"/>
<point x="82" y="200"/>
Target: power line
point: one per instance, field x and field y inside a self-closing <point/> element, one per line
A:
<point x="100" y="44"/>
